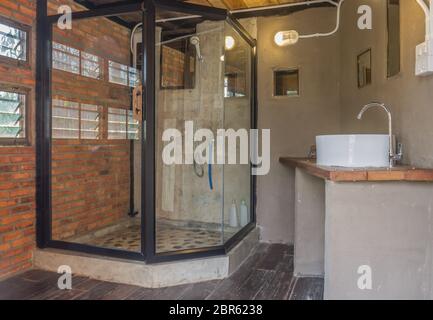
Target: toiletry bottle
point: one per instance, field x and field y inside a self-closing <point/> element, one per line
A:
<point x="233" y="219"/>
<point x="244" y="214"/>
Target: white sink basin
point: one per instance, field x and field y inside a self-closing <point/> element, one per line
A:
<point x="353" y="151"/>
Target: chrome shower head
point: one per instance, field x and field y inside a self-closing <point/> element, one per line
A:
<point x="195" y="41"/>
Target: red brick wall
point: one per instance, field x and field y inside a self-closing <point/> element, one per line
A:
<point x="17" y="164"/>
<point x="90" y="178"/>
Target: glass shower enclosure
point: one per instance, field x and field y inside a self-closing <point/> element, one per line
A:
<point x="134" y="99"/>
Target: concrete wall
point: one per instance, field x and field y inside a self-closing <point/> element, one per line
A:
<point x="294" y="121"/>
<point x="330" y="98"/>
<point x="408" y="96"/>
<point x="309" y="224"/>
<point x="367" y="225"/>
<point x="181" y="195"/>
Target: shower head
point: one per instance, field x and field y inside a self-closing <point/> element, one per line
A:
<point x="195" y="41"/>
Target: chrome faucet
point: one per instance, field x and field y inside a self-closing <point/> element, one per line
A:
<point x="393" y="157"/>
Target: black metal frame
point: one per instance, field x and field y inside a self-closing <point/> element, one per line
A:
<point x="43" y="128"/>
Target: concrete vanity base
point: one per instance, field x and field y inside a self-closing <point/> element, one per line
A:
<point x="309" y="225"/>
<point x="387" y="226"/>
<point x="149" y="275"/>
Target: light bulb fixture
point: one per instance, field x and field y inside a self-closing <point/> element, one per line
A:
<point x="229" y="42"/>
<point x="290" y="37"/>
<point x="286" y="38"/>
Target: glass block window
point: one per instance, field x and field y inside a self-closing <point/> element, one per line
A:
<point x="117" y="123"/>
<point x="12" y="115"/>
<point x="13" y="41"/>
<point x="66" y="58"/>
<point x="90" y="115"/>
<point x="91" y="66"/>
<point x="122" y="74"/>
<point x="133" y="126"/>
<point x="65" y="119"/>
<point x="118" y="73"/>
<point x="73" y="120"/>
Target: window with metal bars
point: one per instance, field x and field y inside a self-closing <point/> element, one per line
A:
<point x="13" y="105"/>
<point x="13" y="41"/>
<point x="73" y="120"/>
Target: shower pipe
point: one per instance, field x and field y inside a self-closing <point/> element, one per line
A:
<point x="428" y="18"/>
<point x="337" y="26"/>
<point x="264" y="8"/>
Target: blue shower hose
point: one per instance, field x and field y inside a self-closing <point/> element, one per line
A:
<point x="209" y="171"/>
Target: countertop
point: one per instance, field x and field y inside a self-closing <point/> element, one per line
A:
<point x="398" y="173"/>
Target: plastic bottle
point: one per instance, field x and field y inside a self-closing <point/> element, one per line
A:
<point x="244" y="214"/>
<point x="233" y="219"/>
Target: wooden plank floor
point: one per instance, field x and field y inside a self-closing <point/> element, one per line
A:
<point x="266" y="275"/>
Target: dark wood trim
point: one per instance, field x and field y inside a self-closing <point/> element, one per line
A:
<point x="398" y="173"/>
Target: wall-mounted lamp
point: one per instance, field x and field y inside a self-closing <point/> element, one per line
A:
<point x="290" y="37"/>
<point x="286" y="38"/>
<point x="229" y="42"/>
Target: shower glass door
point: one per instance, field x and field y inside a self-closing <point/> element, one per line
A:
<point x="238" y="87"/>
<point x="189" y="110"/>
<point x="95" y="137"/>
<point x="203" y="82"/>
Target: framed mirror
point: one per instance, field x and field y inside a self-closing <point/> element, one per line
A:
<point x="393" y="22"/>
<point x="364" y="69"/>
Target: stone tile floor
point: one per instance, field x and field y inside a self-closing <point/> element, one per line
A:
<point x="168" y="238"/>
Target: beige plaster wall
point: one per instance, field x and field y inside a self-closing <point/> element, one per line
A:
<point x="409" y="97"/>
<point x="294" y="121"/>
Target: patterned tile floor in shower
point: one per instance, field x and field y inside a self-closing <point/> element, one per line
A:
<point x="168" y="238"/>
